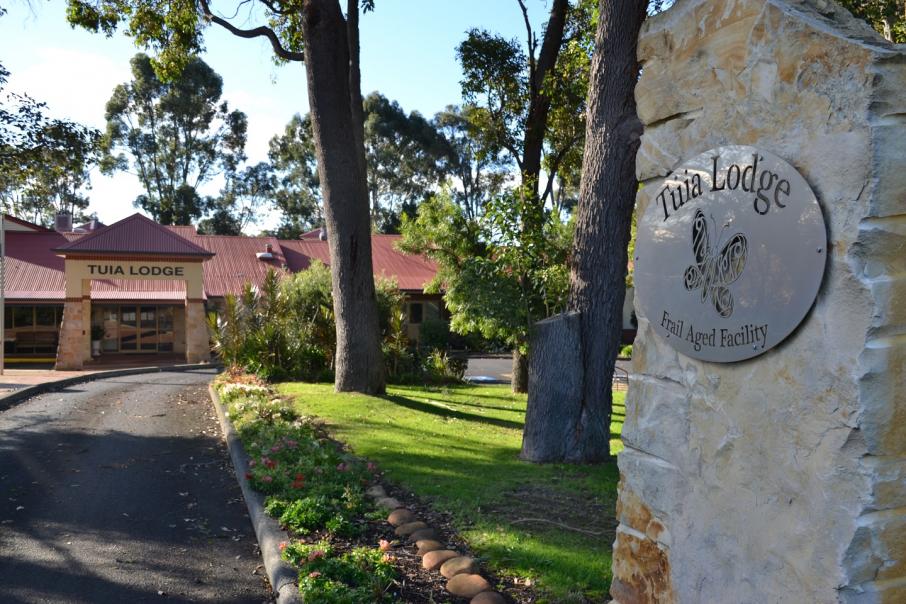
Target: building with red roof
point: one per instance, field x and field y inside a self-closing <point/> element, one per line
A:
<point x="146" y="287"/>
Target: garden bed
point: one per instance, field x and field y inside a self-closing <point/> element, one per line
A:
<point x="546" y="531"/>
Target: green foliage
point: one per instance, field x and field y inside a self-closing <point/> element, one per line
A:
<point x="499" y="274"/>
<point x="286" y="330"/>
<point x="434" y="333"/>
<point x="626" y="351"/>
<point x="297" y="194"/>
<point x="312" y="487"/>
<point x="360" y="576"/>
<point x="176" y="135"/>
<point x="502" y="87"/>
<point x="888" y="17"/>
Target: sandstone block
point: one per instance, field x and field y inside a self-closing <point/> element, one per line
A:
<point x="433" y="560"/>
<point x="458" y="566"/>
<point x="422" y="534"/>
<point x="407" y="529"/>
<point x="389" y="503"/>
<point x="488" y="597"/>
<point x="428" y="545"/>
<point x="467" y="586"/>
<point x="401" y="516"/>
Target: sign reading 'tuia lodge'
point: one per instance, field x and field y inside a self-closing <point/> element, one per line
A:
<point x="730" y="254"/>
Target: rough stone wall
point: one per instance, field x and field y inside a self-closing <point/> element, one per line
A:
<point x="198" y="339"/>
<point x="71" y="346"/>
<point x="783" y="478"/>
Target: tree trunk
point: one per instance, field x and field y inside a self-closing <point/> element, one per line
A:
<point x="539" y="103"/>
<point x="555" y="388"/>
<point x="341" y="167"/>
<point x="519" y="382"/>
<point x="606" y="201"/>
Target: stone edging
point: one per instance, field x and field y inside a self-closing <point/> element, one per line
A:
<point x="461" y="571"/>
<point x="28" y="392"/>
<point x="267" y="530"/>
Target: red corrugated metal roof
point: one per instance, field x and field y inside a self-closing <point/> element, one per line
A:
<point x="33" y="270"/>
<point x="235" y="261"/>
<point x="410" y="272"/>
<point x="24" y="223"/>
<point x="136" y="234"/>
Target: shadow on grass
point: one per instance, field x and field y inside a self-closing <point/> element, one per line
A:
<point x="408" y="403"/>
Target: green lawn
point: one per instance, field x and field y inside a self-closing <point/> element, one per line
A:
<point x="457" y="446"/>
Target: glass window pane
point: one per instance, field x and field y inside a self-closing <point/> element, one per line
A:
<point x="23" y="316"/>
<point x="8" y="317"/>
<point x="44" y="316"/>
<point x="415" y="312"/>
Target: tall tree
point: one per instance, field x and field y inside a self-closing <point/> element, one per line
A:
<point x="404" y="156"/>
<point x="298" y="192"/>
<point x="316" y="32"/>
<point x="512" y="91"/>
<point x="178" y="134"/>
<point x="473" y="175"/>
<point x="598" y="262"/>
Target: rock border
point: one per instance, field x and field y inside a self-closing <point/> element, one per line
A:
<point x="461" y="571"/>
<point x="282" y="576"/>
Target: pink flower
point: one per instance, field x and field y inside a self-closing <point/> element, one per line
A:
<point x="292" y="444"/>
<point x="315" y="555"/>
<point x="276" y="449"/>
<point x="282" y="545"/>
<point x="248" y="476"/>
<point x="314" y="574"/>
<point x="252" y="463"/>
<point x="267" y="479"/>
<point x="341" y="467"/>
<point x="268" y="462"/>
<point x="383" y="545"/>
<point x="372" y="467"/>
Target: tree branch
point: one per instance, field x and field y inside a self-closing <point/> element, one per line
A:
<point x="255" y="32"/>
<point x="532" y="45"/>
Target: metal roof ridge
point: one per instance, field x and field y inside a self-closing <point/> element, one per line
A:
<point x="78" y="244"/>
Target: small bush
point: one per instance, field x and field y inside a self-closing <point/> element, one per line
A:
<point x="626" y="351"/>
<point x="434" y="334"/>
<point x="361" y="576"/>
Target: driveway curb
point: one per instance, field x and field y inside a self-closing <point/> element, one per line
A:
<point x="281" y="575"/>
<point x="14" y="398"/>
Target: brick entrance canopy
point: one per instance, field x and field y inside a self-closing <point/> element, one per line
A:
<point x="135" y="248"/>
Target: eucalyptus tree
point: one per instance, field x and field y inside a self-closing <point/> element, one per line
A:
<point x="527" y="105"/>
<point x="174" y="134"/>
<point x="297" y="191"/>
<point x="317" y="33"/>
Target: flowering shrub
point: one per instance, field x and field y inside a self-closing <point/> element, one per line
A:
<point x="360" y="576"/>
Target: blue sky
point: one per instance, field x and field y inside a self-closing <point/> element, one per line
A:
<point x="408" y="53"/>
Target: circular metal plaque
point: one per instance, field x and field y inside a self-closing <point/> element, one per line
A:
<point x="730" y="254"/>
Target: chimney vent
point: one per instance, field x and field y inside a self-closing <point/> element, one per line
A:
<point x="63" y="222"/>
<point x="323" y="234"/>
<point x="268" y="248"/>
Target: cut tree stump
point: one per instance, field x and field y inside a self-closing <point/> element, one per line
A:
<point x="555" y="388"/>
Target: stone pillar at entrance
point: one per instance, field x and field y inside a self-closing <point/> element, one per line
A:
<point x="198" y="346"/>
<point x="73" y="332"/>
<point x="780" y="478"/>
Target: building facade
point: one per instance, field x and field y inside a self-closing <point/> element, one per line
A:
<point x="144" y="288"/>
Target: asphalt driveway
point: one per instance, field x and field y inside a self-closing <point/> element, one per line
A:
<point x="121" y="490"/>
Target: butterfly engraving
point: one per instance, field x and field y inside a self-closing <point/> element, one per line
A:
<point x="712" y="273"/>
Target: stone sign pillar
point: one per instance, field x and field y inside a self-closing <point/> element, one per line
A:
<point x="781" y="478"/>
<point x="198" y="339"/>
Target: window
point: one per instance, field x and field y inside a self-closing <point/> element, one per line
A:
<point x="23" y="316"/>
<point x="415" y="312"/>
<point x="44" y="316"/>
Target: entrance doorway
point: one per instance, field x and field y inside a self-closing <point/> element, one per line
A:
<point x="136" y="328"/>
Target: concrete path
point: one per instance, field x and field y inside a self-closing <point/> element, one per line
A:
<point x="120" y="490"/>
